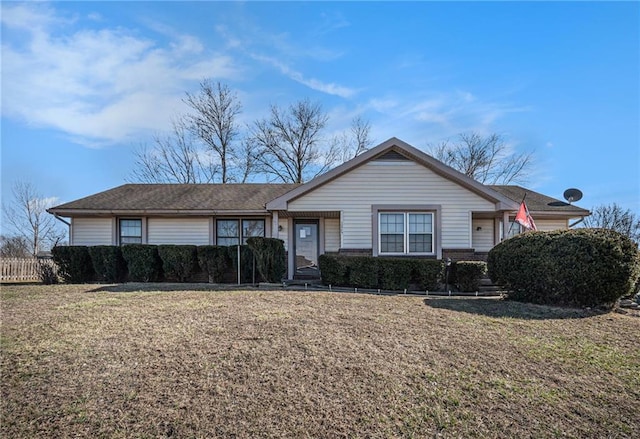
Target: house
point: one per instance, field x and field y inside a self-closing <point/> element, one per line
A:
<point x="393" y="200"/>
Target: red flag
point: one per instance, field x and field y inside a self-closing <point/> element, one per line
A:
<point x="524" y="218"/>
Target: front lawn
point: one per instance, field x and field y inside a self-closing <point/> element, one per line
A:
<point x="99" y="361"/>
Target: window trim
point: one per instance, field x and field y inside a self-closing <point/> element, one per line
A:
<point x="434" y="209"/>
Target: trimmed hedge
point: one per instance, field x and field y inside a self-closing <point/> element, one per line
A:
<point x="383" y="273"/>
<point x="74" y="263"/>
<point x="178" y="261"/>
<point x="271" y="260"/>
<point x="427" y="273"/>
<point x="108" y="263"/>
<point x="581" y="267"/>
<point x="247" y="271"/>
<point x="333" y="270"/>
<point x="214" y="260"/>
<point x="469" y="273"/>
<point x="143" y="262"/>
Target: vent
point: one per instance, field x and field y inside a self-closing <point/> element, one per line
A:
<point x="392" y="156"/>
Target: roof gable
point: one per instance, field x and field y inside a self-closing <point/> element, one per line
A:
<point x="395" y="149"/>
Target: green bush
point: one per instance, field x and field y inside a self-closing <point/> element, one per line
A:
<point x="395" y="273"/>
<point x="334" y="270"/>
<point x="271" y="260"/>
<point x="363" y="271"/>
<point x="385" y="273"/>
<point x="214" y="260"/>
<point x="469" y="273"/>
<point x="582" y="267"/>
<point x="108" y="263"/>
<point x="74" y="264"/>
<point x="143" y="262"/>
<point x="427" y="273"/>
<point x="178" y="261"/>
<point x="247" y="263"/>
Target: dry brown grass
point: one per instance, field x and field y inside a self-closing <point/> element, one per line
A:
<point x="107" y="363"/>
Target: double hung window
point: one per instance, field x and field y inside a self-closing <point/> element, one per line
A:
<point x="130" y="231"/>
<point x="406" y="233"/>
<point x="234" y="231"/>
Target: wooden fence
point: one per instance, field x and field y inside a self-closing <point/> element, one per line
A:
<point x="22" y="269"/>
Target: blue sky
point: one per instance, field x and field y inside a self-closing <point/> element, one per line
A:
<point x="84" y="84"/>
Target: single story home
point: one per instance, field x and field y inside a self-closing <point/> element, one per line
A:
<point x="392" y="200"/>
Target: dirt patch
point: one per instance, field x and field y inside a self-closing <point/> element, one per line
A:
<point x="83" y="361"/>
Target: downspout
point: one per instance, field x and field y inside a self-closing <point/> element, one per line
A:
<point x="576" y="223"/>
<point x="59" y="218"/>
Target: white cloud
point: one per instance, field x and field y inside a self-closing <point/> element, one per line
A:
<point x="97" y="85"/>
<point x="314" y="84"/>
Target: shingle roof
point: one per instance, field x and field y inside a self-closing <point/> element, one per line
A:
<point x="178" y="197"/>
<point x="537" y="202"/>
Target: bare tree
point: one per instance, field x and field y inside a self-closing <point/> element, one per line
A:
<point x="28" y="217"/>
<point x="356" y="140"/>
<point x="614" y="217"/>
<point x="14" y="247"/>
<point x="174" y="158"/>
<point x="214" y="122"/>
<point x="485" y="159"/>
<point x="289" y="143"/>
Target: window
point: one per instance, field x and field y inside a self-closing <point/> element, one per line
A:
<point x="252" y="228"/>
<point x="406" y="232"/>
<point x="130" y="231"/>
<point x="228" y="231"/>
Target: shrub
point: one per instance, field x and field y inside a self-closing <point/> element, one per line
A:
<point x="271" y="260"/>
<point x="469" y="273"/>
<point x="214" y="260"/>
<point x="334" y="270"/>
<point x="363" y="271"/>
<point x="385" y="273"/>
<point x="247" y="268"/>
<point x="395" y="273"/>
<point x="143" y="262"/>
<point x="427" y="273"/>
<point x="47" y="272"/>
<point x="108" y="263"/>
<point x="582" y="267"/>
<point x="74" y="263"/>
<point x="178" y="261"/>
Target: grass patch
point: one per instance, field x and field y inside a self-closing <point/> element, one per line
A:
<point x="115" y="361"/>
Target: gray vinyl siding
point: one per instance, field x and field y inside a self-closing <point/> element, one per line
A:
<point x="91" y="231"/>
<point x="195" y="231"/>
<point x="394" y="183"/>
<point x="331" y="234"/>
<point x="483" y="238"/>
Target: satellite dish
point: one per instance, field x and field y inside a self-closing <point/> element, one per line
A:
<point x="572" y="195"/>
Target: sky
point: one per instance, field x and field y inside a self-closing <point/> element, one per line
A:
<point x="86" y="83"/>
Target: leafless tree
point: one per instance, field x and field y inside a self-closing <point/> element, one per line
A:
<point x="614" y="217"/>
<point x="289" y="143"/>
<point x="27" y="215"/>
<point x="216" y="108"/>
<point x="14" y="247"/>
<point x="486" y="159"/>
<point x="174" y="158"/>
<point x="356" y="140"/>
